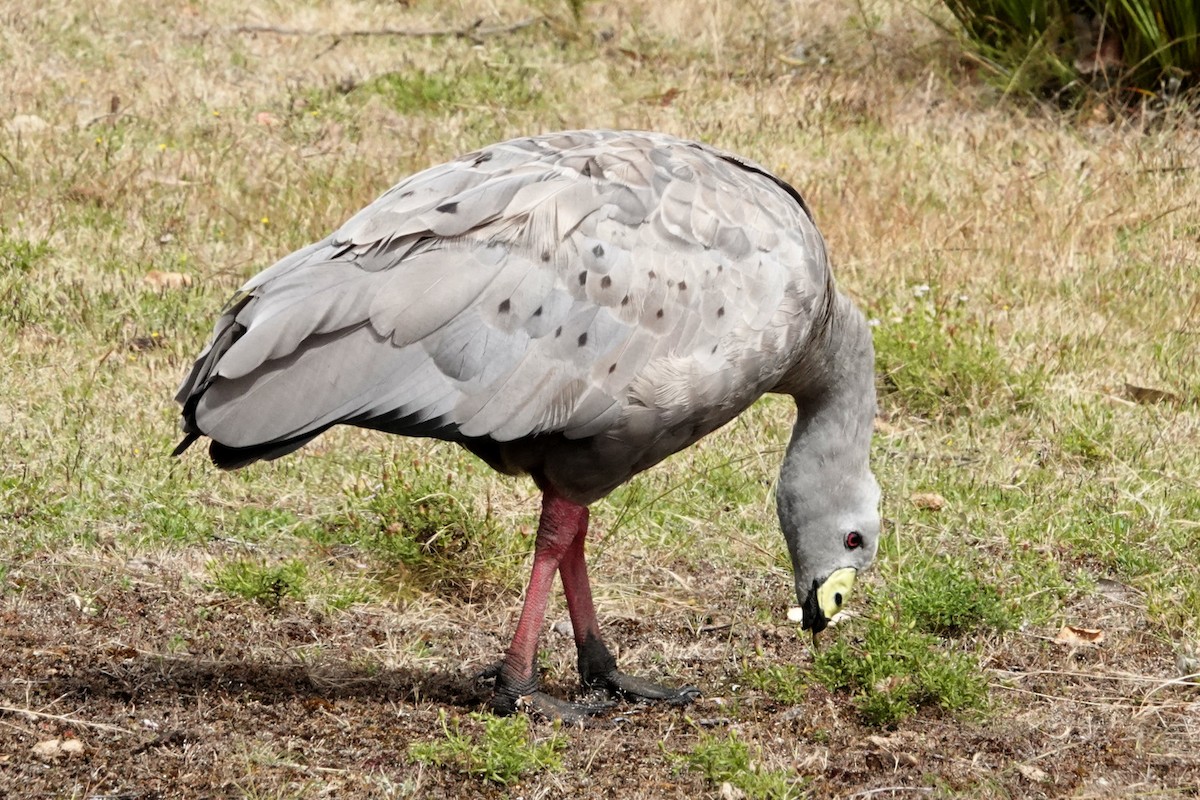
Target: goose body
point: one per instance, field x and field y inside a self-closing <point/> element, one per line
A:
<point x="576" y="307"/>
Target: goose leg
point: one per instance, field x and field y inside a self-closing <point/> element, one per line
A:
<point x="517" y="678"/>
<point x="597" y="666"/>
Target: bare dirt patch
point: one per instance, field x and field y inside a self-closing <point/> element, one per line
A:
<point x="170" y="694"/>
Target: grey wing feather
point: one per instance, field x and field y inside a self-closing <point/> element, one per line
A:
<point x="595" y="284"/>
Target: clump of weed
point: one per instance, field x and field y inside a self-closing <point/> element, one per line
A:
<point x="947" y="600"/>
<point x="262" y="583"/>
<point x="18" y="256"/>
<point x="176" y="521"/>
<point x="504" y="753"/>
<point x="1056" y="48"/>
<point x="410" y="517"/>
<point x="784" y="683"/>
<point x="902" y="663"/>
<point x="895" y="670"/>
<point x="470" y="85"/>
<point x="937" y="359"/>
<point x="19" y="305"/>
<point x="728" y="760"/>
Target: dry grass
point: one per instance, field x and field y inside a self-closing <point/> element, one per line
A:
<point x="1023" y="268"/>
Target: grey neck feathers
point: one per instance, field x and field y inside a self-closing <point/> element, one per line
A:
<point x="835" y="405"/>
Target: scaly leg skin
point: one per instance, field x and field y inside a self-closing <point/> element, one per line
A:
<point x="516" y="677"/>
<point x="559" y="548"/>
<point x="597" y="666"/>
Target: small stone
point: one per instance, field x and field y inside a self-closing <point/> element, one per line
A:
<point x="1032" y="773"/>
<point x="731" y="792"/>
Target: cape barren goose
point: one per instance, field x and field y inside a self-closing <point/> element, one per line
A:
<point x="575" y="307"/>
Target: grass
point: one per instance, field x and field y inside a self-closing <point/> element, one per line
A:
<point x="729" y="760"/>
<point x="260" y="582"/>
<point x="1021" y="268"/>
<point x="503" y="753"/>
<point x="781" y="682"/>
<point x="901" y="665"/>
<point x="1132" y="49"/>
<point x="940" y="358"/>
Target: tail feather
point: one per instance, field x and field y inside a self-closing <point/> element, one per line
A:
<point x="187" y="442"/>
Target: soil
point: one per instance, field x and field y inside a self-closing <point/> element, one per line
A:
<point x="175" y="693"/>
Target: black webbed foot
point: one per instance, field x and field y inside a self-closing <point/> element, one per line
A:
<point x="515" y="694"/>
<point x="598" y="670"/>
<point x="641" y="690"/>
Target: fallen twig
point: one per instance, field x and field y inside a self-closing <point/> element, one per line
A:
<point x="475" y="30"/>
<point x="61" y="718"/>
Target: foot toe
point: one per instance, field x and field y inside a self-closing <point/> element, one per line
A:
<point x="647" y="691"/>
<point x="563" y="710"/>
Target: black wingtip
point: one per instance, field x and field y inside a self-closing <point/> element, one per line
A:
<point x="226" y="457"/>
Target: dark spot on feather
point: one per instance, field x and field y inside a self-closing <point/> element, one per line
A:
<point x="714" y="350"/>
<point x="583" y="277"/>
<point x="538" y="313"/>
<point x="659" y="314"/>
<point x="721" y="311"/>
<point x="598" y="251"/>
<point x="504" y="306"/>
<point x="653" y="274"/>
<point x="558" y="332"/>
<point x="625" y="300"/>
<point x="545" y="255"/>
<point x="605" y="282"/>
<point x="483" y="158"/>
<point x="406" y="193"/>
<point x="720" y="268"/>
<point x="448" y="208"/>
<point x="612" y="369"/>
<point x="583" y="339"/>
<point x="683" y="286"/>
<point x="670" y="282"/>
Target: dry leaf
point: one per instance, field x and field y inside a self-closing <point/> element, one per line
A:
<point x="267" y="118"/>
<point x="1075" y="637"/>
<point x="1032" y="773"/>
<point x="1148" y="397"/>
<point x="167" y="280"/>
<point x="884" y="427"/>
<point x="71" y="747"/>
<point x="930" y="501"/>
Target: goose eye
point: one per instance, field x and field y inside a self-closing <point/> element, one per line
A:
<point x="854" y="540"/>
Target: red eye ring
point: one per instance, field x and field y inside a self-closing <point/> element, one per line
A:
<point x="854" y="540"/>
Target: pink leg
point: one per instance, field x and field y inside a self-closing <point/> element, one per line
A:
<point x="578" y="590"/>
<point x="558" y="528"/>
<point x="561" y="535"/>
<point x="597" y="666"/>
